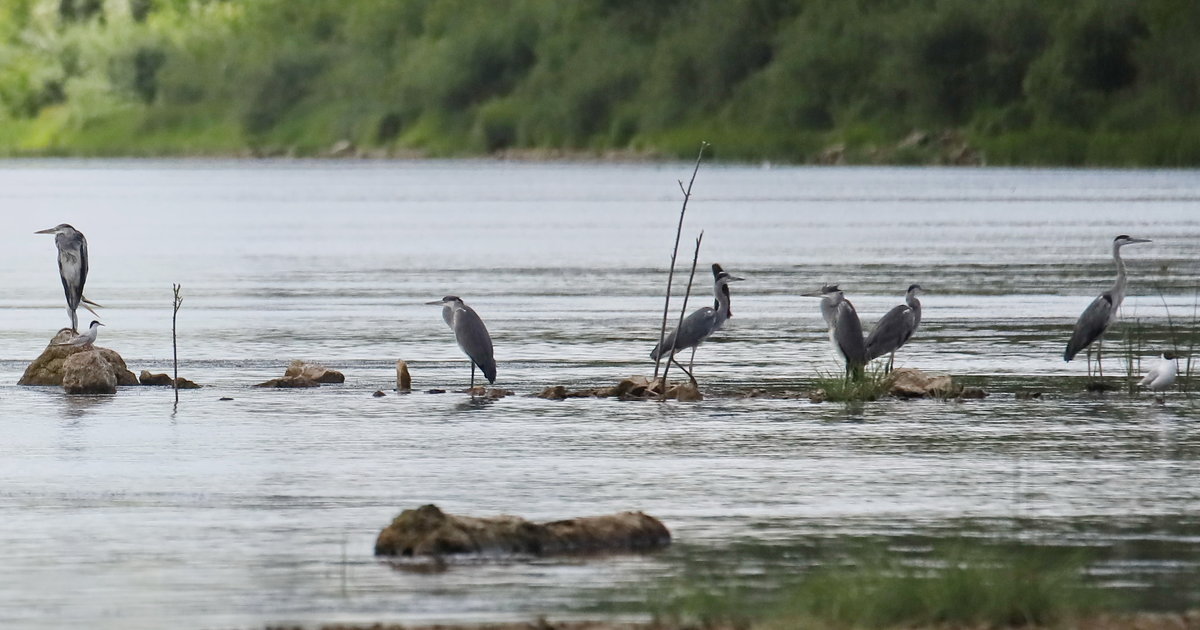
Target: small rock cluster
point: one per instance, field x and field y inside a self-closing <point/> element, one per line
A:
<point x="632" y="388"/>
<point x="428" y="531"/>
<point x="301" y="374"/>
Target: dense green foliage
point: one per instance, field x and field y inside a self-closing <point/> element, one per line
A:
<point x="1019" y="81"/>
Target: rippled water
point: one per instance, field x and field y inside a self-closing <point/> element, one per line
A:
<point x="120" y="512"/>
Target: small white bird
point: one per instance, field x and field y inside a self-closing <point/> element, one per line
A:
<point x="86" y="339"/>
<point x="1162" y="375"/>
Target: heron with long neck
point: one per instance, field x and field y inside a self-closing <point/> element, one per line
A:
<point x="895" y="328"/>
<point x="72" y="268"/>
<point x="700" y="324"/>
<point x="845" y="329"/>
<point x="1102" y="312"/>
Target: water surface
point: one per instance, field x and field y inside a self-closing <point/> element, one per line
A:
<point x="123" y="512"/>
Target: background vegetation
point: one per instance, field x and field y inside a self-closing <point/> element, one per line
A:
<point x="1095" y="82"/>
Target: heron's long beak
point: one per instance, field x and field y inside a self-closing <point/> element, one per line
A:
<point x="817" y="293"/>
<point x="45" y="231"/>
<point x="1140" y="240"/>
<point x="436" y="303"/>
<point x="735" y="279"/>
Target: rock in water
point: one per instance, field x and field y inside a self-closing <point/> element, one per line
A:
<point x="88" y="373"/>
<point x="289" y="382"/>
<point x="913" y="383"/>
<point x="427" y="531"/>
<point x="47" y="369"/>
<point x="160" y="380"/>
<point x="313" y="372"/>
<point x="403" y="379"/>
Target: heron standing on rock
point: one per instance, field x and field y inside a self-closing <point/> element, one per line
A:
<point x="1102" y="312"/>
<point x="700" y="324"/>
<point x="72" y="267"/>
<point x="845" y="330"/>
<point x="895" y="328"/>
<point x="470" y="333"/>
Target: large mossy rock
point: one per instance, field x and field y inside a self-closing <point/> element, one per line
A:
<point x="88" y="373"/>
<point x="313" y="372"/>
<point x="47" y="369"/>
<point x="427" y="531"/>
<point x="913" y="383"/>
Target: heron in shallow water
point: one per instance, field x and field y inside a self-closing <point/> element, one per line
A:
<point x="1162" y="375"/>
<point x="1102" y="312"/>
<point x="470" y="333"/>
<point x="700" y="324"/>
<point x="86" y="339"/>
<point x="845" y="330"/>
<point x="72" y="267"/>
<point x="895" y="328"/>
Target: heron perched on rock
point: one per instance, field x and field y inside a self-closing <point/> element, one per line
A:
<point x="1162" y="375"/>
<point x="896" y="327"/>
<point x="85" y="339"/>
<point x="72" y="267"/>
<point x="845" y="330"/>
<point x="470" y="333"/>
<point x="700" y="324"/>
<point x="1102" y="312"/>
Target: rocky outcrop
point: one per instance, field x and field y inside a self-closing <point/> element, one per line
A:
<point x="427" y="531"/>
<point x="913" y="383"/>
<point x="301" y="374"/>
<point x="632" y="388"/>
<point x="403" y="378"/>
<point x="289" y="382"/>
<point x="47" y="369"/>
<point x="88" y="373"/>
<point x="313" y="372"/>
<point x="164" y="380"/>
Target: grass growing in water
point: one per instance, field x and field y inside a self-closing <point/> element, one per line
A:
<point x="872" y="386"/>
<point x="989" y="586"/>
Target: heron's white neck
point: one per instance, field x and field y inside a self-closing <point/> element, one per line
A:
<point x="1118" y="288"/>
<point x="721" y="296"/>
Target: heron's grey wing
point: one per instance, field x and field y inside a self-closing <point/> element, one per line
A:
<point x="891" y="331"/>
<point x="72" y="267"/>
<point x="473" y="338"/>
<point x="848" y="335"/>
<point x="694" y="329"/>
<point x="1090" y="326"/>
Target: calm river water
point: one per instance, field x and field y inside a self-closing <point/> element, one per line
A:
<point x="120" y="512"/>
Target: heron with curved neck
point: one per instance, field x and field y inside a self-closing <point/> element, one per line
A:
<point x="1102" y="312"/>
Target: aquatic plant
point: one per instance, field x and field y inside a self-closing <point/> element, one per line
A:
<point x="873" y="385"/>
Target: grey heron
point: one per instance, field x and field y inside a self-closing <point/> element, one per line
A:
<point x="702" y="323"/>
<point x="72" y="267"/>
<point x="1102" y="312"/>
<point x="470" y="333"/>
<point x="896" y="327"/>
<point x="85" y="339"/>
<point x="1162" y="375"/>
<point x="845" y="330"/>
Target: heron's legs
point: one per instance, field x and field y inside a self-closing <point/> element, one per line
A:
<point x="1100" y="356"/>
<point x="472" y="378"/>
<point x="693" y="359"/>
<point x="890" y="363"/>
<point x="685" y="371"/>
<point x="74" y="320"/>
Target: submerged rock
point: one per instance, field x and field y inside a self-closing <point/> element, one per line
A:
<point x="47" y="369"/>
<point x="289" y="382"/>
<point x="427" y="531"/>
<point x="88" y="373"/>
<point x="313" y="372"/>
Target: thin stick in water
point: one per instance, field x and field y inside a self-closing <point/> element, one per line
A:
<point x="682" y="313"/>
<point x="175" y="288"/>
<point x="687" y="194"/>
